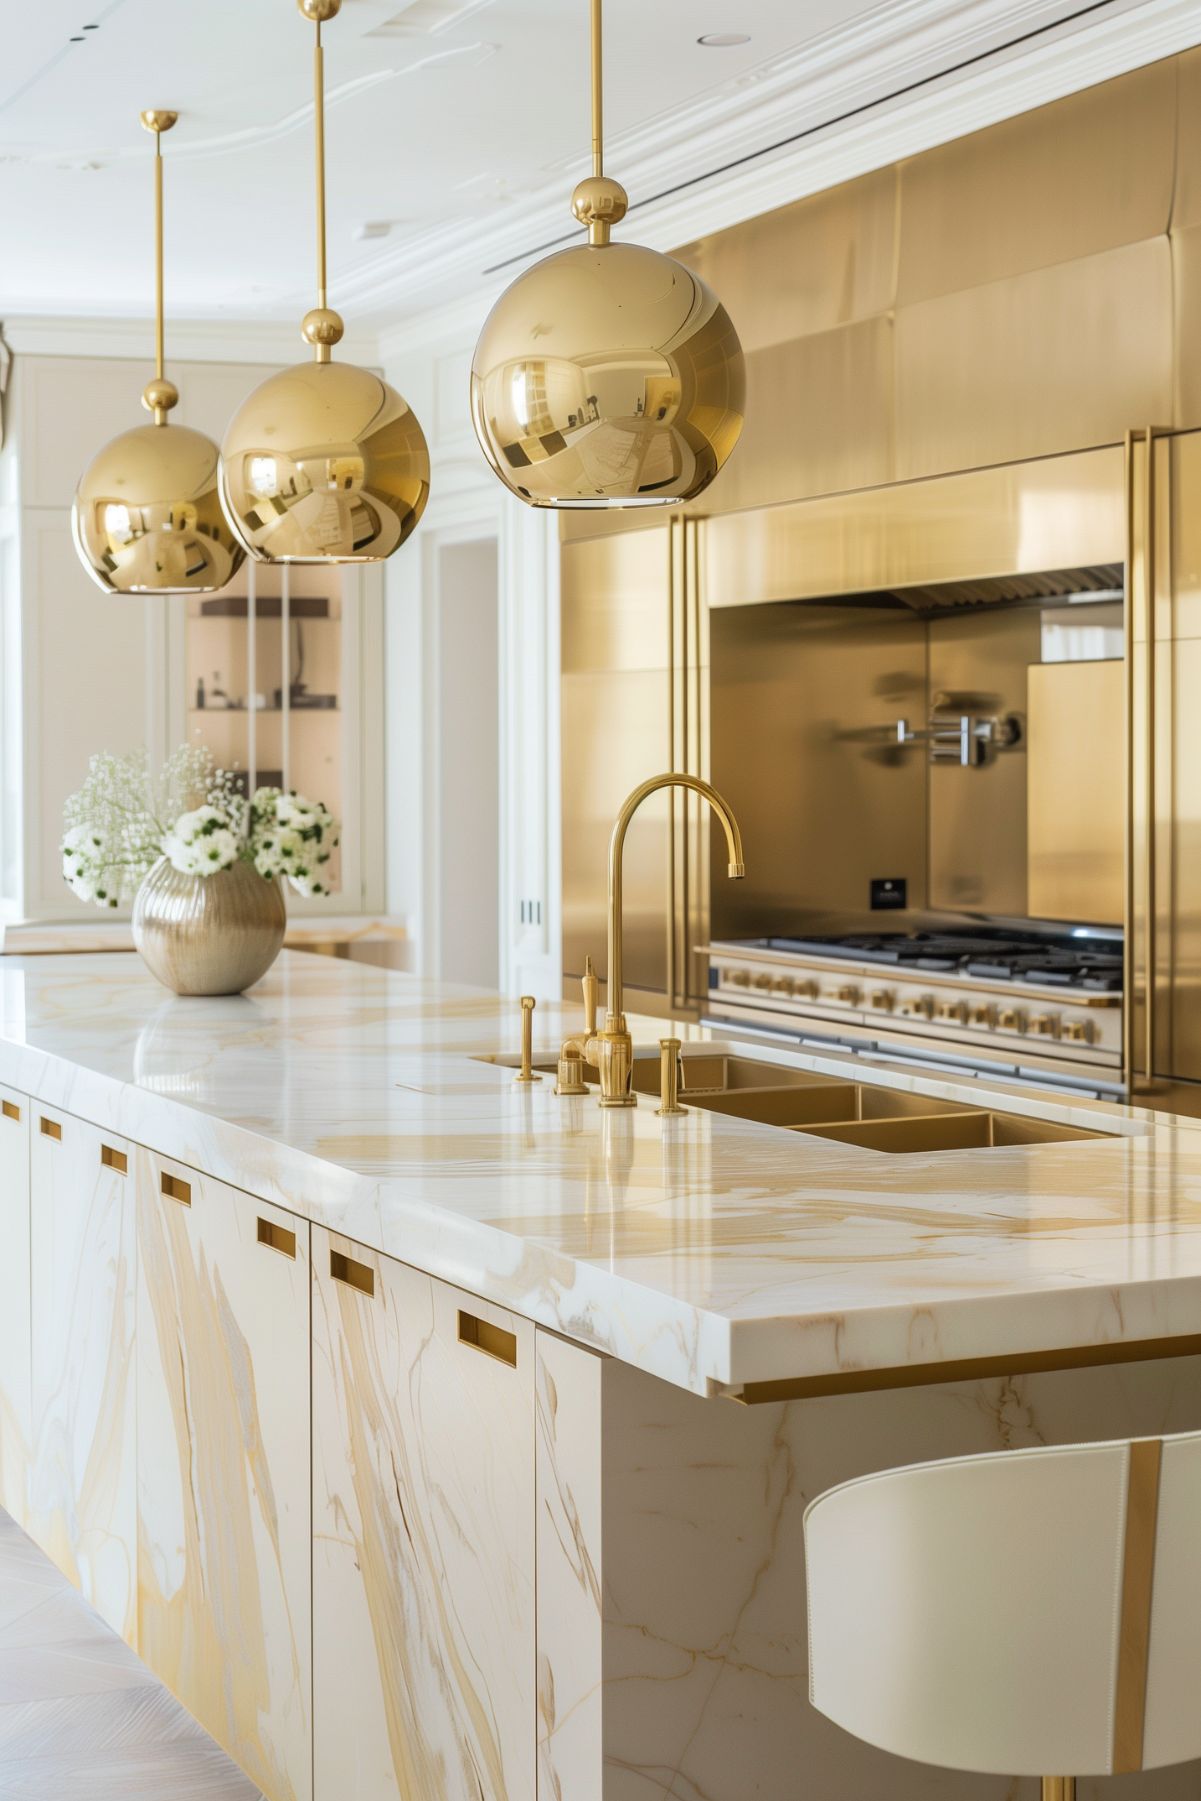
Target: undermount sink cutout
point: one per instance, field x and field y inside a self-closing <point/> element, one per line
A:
<point x="889" y="1120"/>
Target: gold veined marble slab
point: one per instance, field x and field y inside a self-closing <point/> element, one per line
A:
<point x="423" y="1536"/>
<point x="673" y="1663"/>
<point x="15" y="1373"/>
<point x="714" y="1253"/>
<point x="224" y="1545"/>
<point x="82" y="1506"/>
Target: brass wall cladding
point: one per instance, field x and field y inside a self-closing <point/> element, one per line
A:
<point x="1025" y="291"/>
<point x="1058" y="513"/>
<point x="616" y="708"/>
<point x="943" y="359"/>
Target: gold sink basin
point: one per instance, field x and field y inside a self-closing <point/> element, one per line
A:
<point x="873" y="1118"/>
<point x="825" y="1102"/>
<point x="961" y="1130"/>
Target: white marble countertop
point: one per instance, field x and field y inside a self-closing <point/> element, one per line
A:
<point x="40" y="937"/>
<point x="707" y="1250"/>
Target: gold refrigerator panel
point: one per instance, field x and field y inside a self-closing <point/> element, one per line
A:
<point x="1165" y="776"/>
<point x="616" y="685"/>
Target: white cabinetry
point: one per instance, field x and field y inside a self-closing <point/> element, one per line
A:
<point x="223" y="1466"/>
<point x="82" y="1502"/>
<point x="15" y="1397"/>
<point x="423" y="1537"/>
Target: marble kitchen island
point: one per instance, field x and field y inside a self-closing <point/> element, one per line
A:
<point x="392" y="1409"/>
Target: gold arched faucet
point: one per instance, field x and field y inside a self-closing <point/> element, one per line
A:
<point x="612" y="1051"/>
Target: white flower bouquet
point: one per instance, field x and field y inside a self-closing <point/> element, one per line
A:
<point x="124" y="819"/>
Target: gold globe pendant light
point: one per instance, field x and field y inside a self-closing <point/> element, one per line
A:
<point x="608" y="375"/>
<point x="147" y="517"/>
<point x="324" y="463"/>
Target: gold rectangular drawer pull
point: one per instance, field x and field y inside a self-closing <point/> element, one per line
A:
<point x="113" y="1159"/>
<point x="51" y="1128"/>
<point x="355" y="1275"/>
<point x="175" y="1190"/>
<point x="277" y="1238"/>
<point x="482" y="1335"/>
<point x="11" y="1110"/>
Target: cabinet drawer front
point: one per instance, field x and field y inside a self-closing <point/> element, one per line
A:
<point x="15" y="1372"/>
<point x="223" y="1466"/>
<point x="82" y="1507"/>
<point x="423" y="1521"/>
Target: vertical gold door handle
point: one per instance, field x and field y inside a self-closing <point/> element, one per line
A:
<point x="1140" y="854"/>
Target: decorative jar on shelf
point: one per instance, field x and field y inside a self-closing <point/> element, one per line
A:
<point x="211" y="934"/>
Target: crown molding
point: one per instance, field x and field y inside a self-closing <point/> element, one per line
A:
<point x="856" y="66"/>
<point x="188" y="341"/>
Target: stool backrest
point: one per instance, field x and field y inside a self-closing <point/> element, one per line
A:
<point x="1024" y="1613"/>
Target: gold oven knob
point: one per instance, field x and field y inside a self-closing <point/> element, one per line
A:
<point x="763" y="981"/>
<point x="848" y="995"/>
<point x="923" y="1008"/>
<point x="1078" y="1031"/>
<point x="883" y="1000"/>
<point x="741" y="978"/>
<point x="784" y="985"/>
<point x="953" y="1010"/>
<point x="808" y="991"/>
<point x="1044" y="1025"/>
<point x="982" y="1016"/>
<point x="1010" y="1020"/>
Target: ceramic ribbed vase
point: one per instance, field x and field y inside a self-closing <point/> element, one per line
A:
<point x="213" y="934"/>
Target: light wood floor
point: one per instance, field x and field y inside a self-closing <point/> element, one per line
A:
<point x="81" y="1717"/>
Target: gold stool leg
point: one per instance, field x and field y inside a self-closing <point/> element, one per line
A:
<point x="1059" y="1788"/>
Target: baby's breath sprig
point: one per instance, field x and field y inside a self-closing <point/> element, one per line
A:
<point x="124" y="818"/>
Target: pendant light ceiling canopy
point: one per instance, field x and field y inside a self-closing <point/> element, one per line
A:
<point x="324" y="463"/>
<point x="608" y="375"/>
<point x="147" y="517"/>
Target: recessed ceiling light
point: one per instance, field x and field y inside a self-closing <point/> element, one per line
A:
<point x="91" y="28"/>
<point x="724" y="40"/>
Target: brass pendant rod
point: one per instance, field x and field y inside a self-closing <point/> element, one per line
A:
<point x="159" y="395"/>
<point x="598" y="147"/>
<point x="158" y="256"/>
<point x="319" y="118"/>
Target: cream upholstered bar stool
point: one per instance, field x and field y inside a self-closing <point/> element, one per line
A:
<point x="1022" y="1613"/>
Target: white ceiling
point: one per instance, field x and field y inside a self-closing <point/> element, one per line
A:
<point x="458" y="125"/>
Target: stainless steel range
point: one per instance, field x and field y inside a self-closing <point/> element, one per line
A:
<point x="1046" y="1004"/>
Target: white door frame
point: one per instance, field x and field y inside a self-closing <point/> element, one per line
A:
<point x="467" y="509"/>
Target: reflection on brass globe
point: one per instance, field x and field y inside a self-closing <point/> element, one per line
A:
<point x="147" y="516"/>
<point x="324" y="463"/>
<point x="607" y="375"/>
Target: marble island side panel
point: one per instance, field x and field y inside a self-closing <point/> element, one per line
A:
<point x="710" y="1253"/>
<point x="673" y="1658"/>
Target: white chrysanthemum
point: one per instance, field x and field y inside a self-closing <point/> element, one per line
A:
<point x="295" y="810"/>
<point x="291" y="837"/>
<point x="200" y="843"/>
<point x="86" y="856"/>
